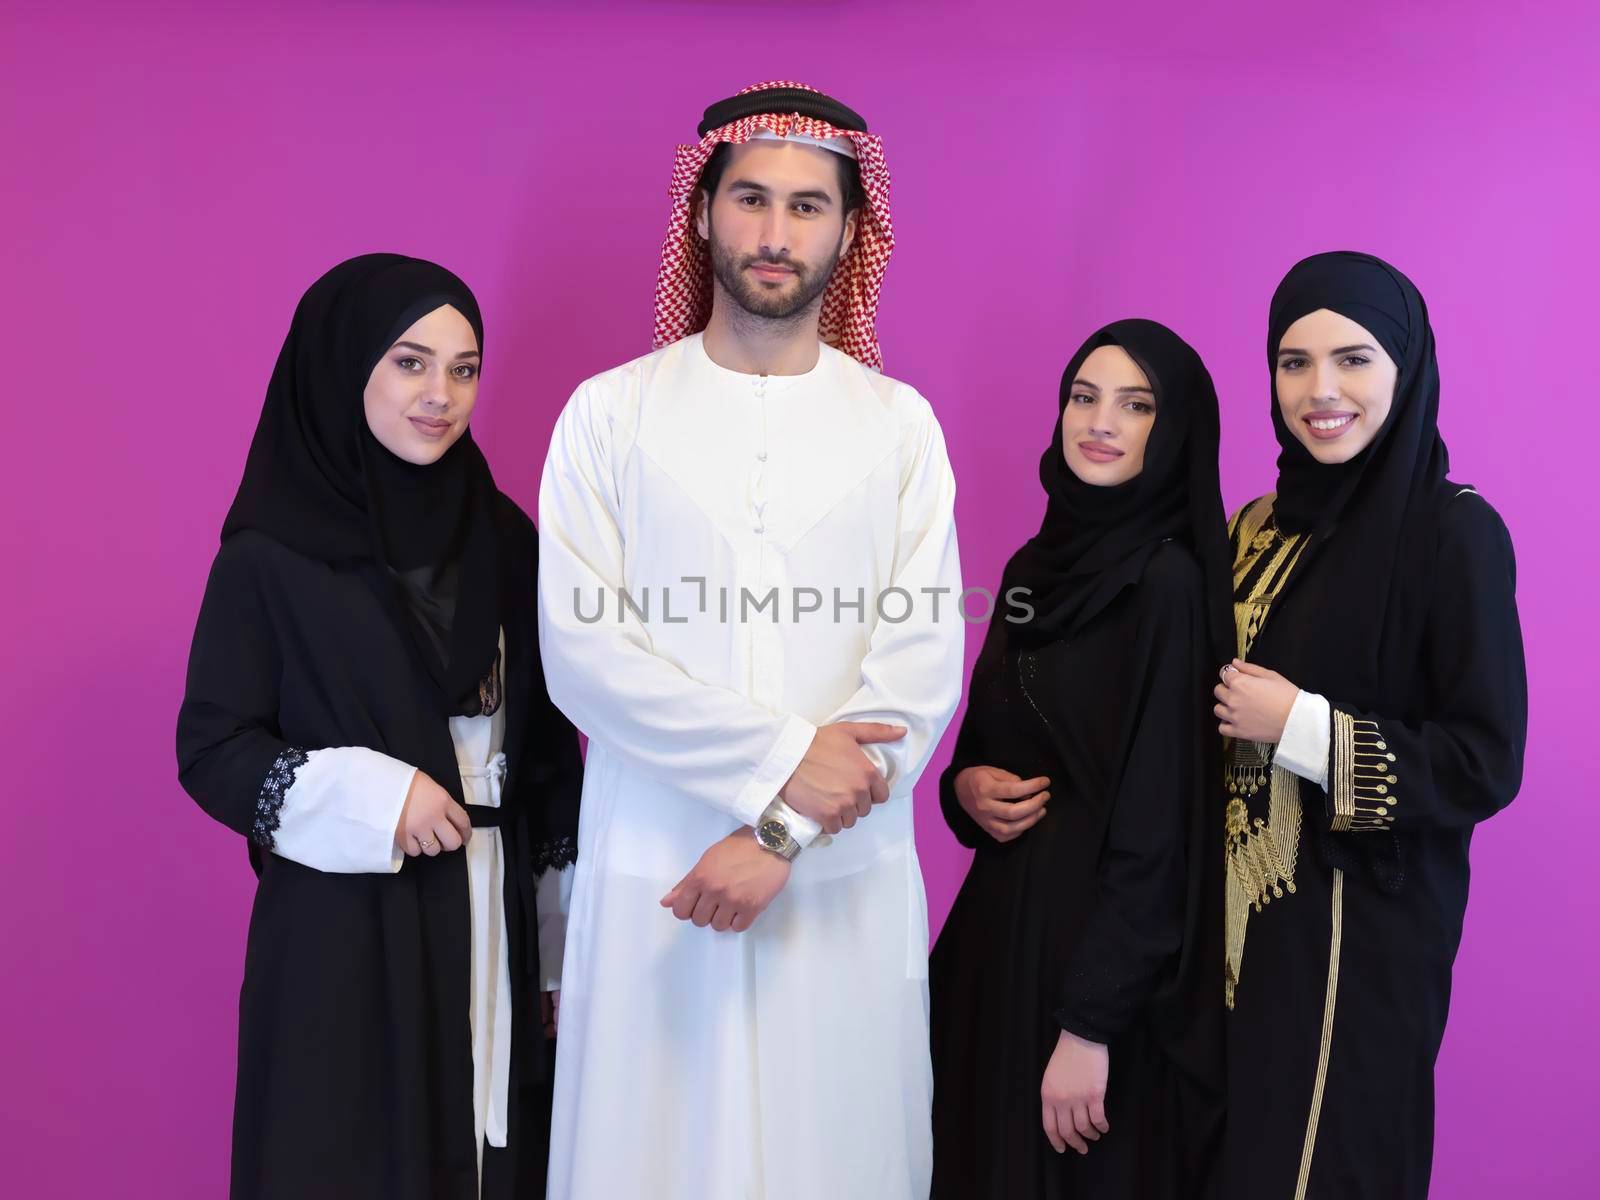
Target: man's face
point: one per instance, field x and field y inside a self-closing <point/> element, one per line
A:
<point x="776" y="226"/>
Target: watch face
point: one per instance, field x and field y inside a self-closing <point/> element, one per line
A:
<point x="774" y="835"/>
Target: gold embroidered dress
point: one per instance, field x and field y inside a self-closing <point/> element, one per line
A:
<point x="1345" y="895"/>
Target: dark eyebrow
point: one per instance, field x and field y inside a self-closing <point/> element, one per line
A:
<point x="421" y="349"/>
<point x="1339" y="350"/>
<point x="1121" y="391"/>
<point x="750" y="185"/>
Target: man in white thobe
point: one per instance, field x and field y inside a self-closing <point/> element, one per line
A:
<point x="748" y="600"/>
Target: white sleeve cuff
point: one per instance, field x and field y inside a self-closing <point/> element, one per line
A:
<point x="342" y="811"/>
<point x="553" y="900"/>
<point x="881" y="759"/>
<point x="786" y="754"/>
<point x="1303" y="748"/>
<point x="801" y="827"/>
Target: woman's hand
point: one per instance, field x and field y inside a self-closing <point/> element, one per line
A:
<point x="1004" y="806"/>
<point x="550" y="1012"/>
<point x="1253" y="703"/>
<point x="1073" y="1094"/>
<point x="431" y="820"/>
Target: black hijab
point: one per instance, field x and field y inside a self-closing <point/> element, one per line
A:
<point x="1350" y="619"/>
<point x="1372" y="520"/>
<point x="1407" y="458"/>
<point x="1095" y="541"/>
<point x="319" y="482"/>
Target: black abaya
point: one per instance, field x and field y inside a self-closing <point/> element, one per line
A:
<point x="358" y="601"/>
<point x="1083" y="922"/>
<point x="355" y="1048"/>
<point x="1104" y="919"/>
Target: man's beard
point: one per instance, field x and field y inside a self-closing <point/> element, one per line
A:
<point x="810" y="282"/>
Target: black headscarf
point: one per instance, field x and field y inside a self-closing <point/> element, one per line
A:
<point x="319" y="482"/>
<point x="1407" y="458"/>
<point x="1350" y="619"/>
<point x="1373" y="518"/>
<point x="1095" y="541"/>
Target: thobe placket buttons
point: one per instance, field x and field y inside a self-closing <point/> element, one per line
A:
<point x="760" y="491"/>
<point x="766" y="650"/>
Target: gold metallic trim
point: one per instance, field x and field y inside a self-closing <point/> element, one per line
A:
<point x="1247" y="522"/>
<point x="1361" y="776"/>
<point x="1342" y="793"/>
<point x="1252" y="541"/>
<point x="1261" y="854"/>
<point x="1335" y="936"/>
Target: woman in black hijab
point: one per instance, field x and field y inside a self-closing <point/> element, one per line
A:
<point x="1377" y="710"/>
<point x="1076" y="1020"/>
<point x="364" y="689"/>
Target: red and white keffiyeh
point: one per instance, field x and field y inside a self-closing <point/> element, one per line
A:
<point x="850" y="302"/>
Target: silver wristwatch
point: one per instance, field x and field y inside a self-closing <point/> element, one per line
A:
<point x="772" y="833"/>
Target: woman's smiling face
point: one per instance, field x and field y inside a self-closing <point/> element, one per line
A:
<point x="420" y="396"/>
<point x="1335" y="385"/>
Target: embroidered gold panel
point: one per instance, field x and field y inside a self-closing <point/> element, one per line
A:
<point x="1361" y="776"/>
<point x="1261" y="851"/>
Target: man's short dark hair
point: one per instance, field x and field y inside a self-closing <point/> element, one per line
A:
<point x="849" y="176"/>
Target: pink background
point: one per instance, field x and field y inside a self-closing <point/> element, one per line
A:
<point x="176" y="174"/>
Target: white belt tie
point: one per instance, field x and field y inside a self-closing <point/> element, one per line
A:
<point x="491" y="961"/>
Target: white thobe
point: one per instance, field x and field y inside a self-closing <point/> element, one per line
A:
<point x="341" y="814"/>
<point x="789" y="1062"/>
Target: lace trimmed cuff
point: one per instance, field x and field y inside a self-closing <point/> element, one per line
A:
<point x="274" y="788"/>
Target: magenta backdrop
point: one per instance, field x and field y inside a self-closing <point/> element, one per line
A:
<point x="176" y="174"/>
